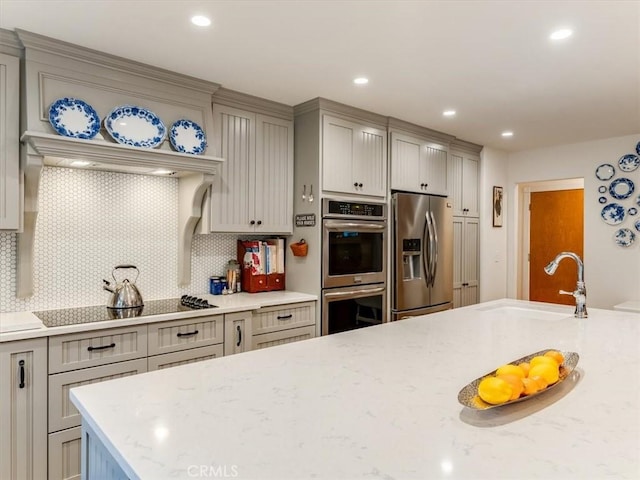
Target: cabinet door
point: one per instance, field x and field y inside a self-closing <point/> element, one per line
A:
<point x="463" y="184"/>
<point x="466" y="242"/>
<point x="183" y="357"/>
<point x="9" y="142"/>
<point x="283" y="317"/>
<point x="281" y="337"/>
<point x="369" y="169"/>
<point x="405" y="163"/>
<point x="338" y="154"/>
<point x="237" y="332"/>
<point x="274" y="175"/>
<point x="233" y="190"/>
<point x="64" y="454"/>
<point x="23" y="409"/>
<point x="433" y="169"/>
<point x="175" y="335"/>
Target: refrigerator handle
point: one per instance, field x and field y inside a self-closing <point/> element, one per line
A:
<point x="435" y="250"/>
<point x="430" y="278"/>
<point x="426" y="245"/>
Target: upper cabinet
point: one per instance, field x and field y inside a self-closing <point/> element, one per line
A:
<point x="254" y="191"/>
<point x="354" y="157"/>
<point x="418" y="159"/>
<point x="9" y="132"/>
<point x="464" y="168"/>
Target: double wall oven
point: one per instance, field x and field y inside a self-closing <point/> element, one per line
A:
<point x="354" y="272"/>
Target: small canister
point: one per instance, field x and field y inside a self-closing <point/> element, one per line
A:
<point x="223" y="285"/>
<point x="215" y="286"/>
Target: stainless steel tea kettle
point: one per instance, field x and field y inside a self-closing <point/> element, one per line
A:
<point x="125" y="294"/>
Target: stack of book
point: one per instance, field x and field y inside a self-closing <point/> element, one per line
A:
<point x="262" y="264"/>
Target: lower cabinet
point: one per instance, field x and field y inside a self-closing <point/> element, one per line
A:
<point x="23" y="409"/>
<point x="283" y="324"/>
<point x="65" y="453"/>
<point x="237" y="332"/>
<point x="466" y="261"/>
<point x="193" y="355"/>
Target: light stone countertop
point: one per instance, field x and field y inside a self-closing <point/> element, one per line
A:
<point x="24" y="325"/>
<point x="381" y="402"/>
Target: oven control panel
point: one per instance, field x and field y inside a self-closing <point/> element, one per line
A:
<point x="346" y="209"/>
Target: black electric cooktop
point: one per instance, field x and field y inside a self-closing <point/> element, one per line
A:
<point x="100" y="313"/>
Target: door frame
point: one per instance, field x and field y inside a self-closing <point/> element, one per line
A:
<point x="523" y="228"/>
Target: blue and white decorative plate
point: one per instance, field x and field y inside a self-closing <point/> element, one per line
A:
<point x="621" y="188"/>
<point x="637" y="225"/>
<point x="135" y="126"/>
<point x="187" y="137"/>
<point x="638" y="201"/>
<point x="602" y="189"/>
<point x="638" y="148"/>
<point x="613" y="214"/>
<point x="605" y="172"/>
<point x="628" y="163"/>
<point x="624" y="237"/>
<point x="602" y="199"/>
<point x="633" y="211"/>
<point x="74" y="118"/>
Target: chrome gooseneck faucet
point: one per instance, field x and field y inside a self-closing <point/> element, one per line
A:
<point x="581" y="292"/>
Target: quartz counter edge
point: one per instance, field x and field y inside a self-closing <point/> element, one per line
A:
<point x="237" y="302"/>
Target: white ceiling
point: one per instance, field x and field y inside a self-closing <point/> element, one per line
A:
<point x="492" y="61"/>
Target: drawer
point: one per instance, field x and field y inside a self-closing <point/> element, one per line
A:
<point x="158" y="362"/>
<point x="178" y="335"/>
<point x="98" y="347"/>
<point x="284" y="336"/>
<point x="64" y="454"/>
<point x="63" y="413"/>
<point x="273" y="319"/>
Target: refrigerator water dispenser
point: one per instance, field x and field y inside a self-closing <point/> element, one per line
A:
<point x="411" y="259"/>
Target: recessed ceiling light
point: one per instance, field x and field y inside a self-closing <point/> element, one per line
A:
<point x="561" y="34"/>
<point x="449" y="113"/>
<point x="200" y="21"/>
<point x="507" y="134"/>
<point x="361" y="81"/>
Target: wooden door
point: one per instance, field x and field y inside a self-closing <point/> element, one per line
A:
<point x="556" y="225"/>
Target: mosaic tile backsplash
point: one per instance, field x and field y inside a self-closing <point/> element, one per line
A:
<point x="90" y="221"/>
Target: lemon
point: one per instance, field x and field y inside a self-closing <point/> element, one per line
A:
<point x="510" y="369"/>
<point x="548" y="371"/>
<point x="494" y="390"/>
<point x="556" y="355"/>
<point x="542" y="359"/>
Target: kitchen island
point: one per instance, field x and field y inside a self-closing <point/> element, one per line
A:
<point x="381" y="402"/>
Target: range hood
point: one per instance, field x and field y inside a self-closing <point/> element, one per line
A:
<point x="195" y="175"/>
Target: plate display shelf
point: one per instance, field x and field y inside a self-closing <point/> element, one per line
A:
<point x="195" y="175"/>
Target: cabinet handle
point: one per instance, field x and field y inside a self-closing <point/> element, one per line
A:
<point x="252" y="222"/>
<point x="187" y="334"/>
<point x="355" y="184"/>
<point x="284" y="317"/>
<point x="239" y="336"/>
<point x="259" y="222"/>
<point x="103" y="347"/>
<point x="21" y="363"/>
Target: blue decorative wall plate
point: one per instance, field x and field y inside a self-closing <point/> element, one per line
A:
<point x="621" y="188"/>
<point x="605" y="172"/>
<point x="135" y="126"/>
<point x="71" y="117"/>
<point x="628" y="163"/>
<point x="624" y="237"/>
<point x="613" y="214"/>
<point x="187" y="137"/>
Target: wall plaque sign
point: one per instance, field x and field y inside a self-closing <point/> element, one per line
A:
<point x="306" y="220"/>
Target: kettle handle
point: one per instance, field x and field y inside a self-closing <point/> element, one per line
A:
<point x="125" y="267"/>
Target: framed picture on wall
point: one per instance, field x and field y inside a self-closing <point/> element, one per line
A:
<point x="498" y="209"/>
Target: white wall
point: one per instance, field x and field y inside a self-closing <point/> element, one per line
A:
<point x="493" y="240"/>
<point x="612" y="273"/>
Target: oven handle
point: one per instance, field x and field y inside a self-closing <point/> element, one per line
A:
<point x="337" y="226"/>
<point x="367" y="291"/>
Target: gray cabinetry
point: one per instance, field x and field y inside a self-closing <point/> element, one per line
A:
<point x="9" y="142"/>
<point x="80" y="359"/>
<point x="237" y="332"/>
<point x="353" y="157"/>
<point x="418" y="163"/>
<point x="283" y="324"/>
<point x="464" y="168"/>
<point x="23" y="409"/>
<point x="466" y="261"/>
<point x="254" y="191"/>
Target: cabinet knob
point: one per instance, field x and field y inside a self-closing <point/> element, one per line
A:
<point x="360" y="185"/>
<point x="355" y="184"/>
<point x="252" y="222"/>
<point x="259" y="222"/>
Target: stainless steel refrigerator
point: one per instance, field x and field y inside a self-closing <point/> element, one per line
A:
<point x="422" y="254"/>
